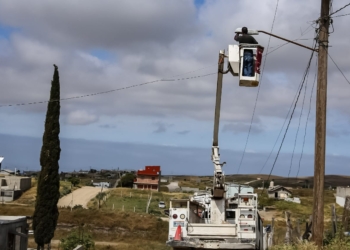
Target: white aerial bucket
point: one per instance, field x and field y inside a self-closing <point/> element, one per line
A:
<point x="250" y="56"/>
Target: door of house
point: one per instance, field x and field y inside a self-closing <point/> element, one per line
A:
<point x="276" y="194"/>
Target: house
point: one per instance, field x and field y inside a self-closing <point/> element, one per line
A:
<point x="1" y="159"/>
<point x="13" y="232"/>
<point x="11" y="187"/>
<point x="278" y="192"/>
<point x="341" y="194"/>
<point x="101" y="184"/>
<point x="148" y="178"/>
<point x="7" y="172"/>
<point x="31" y="173"/>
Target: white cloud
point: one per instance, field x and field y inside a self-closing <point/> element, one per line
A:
<point x="80" y="117"/>
<point x="160" y="40"/>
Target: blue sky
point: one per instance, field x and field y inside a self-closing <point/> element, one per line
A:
<point x="120" y="45"/>
<point x="6" y="31"/>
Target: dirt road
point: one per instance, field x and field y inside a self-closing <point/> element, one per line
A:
<point x="80" y="196"/>
<point x="173" y="186"/>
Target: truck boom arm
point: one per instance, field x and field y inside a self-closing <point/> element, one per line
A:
<point x="218" y="186"/>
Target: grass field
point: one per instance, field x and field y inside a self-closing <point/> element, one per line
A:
<point x="131" y="230"/>
<point x="138" y="230"/>
<point x="299" y="212"/>
<point x="130" y="200"/>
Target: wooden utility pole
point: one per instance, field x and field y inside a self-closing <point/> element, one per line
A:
<point x="320" y="128"/>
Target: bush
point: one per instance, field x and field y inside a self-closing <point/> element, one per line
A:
<point x="100" y="196"/>
<point x="65" y="190"/>
<point x="155" y="212"/>
<point x="164" y="189"/>
<point x="74" y="180"/>
<point x="78" y="237"/>
<point x="127" y="180"/>
<point x="78" y="207"/>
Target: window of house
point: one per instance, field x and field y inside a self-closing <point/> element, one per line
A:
<point x="153" y="178"/>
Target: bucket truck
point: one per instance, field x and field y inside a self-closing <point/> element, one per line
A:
<point x="226" y="215"/>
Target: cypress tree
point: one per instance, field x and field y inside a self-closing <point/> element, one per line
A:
<point x="46" y="211"/>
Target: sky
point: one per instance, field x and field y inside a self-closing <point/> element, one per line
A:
<point x="154" y="66"/>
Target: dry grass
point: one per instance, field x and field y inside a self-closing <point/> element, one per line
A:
<point x="335" y="245"/>
<point x="299" y="212"/>
<point x="126" y="199"/>
<point x="143" y="231"/>
<point x="29" y="196"/>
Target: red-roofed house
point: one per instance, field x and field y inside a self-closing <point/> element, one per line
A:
<point x="148" y="178"/>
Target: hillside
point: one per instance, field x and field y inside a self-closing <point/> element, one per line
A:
<point x="117" y="224"/>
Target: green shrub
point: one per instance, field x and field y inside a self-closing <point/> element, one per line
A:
<point x="77" y="237"/>
<point x="164" y="189"/>
<point x="65" y="190"/>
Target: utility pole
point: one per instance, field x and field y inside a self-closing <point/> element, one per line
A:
<point x="320" y="128"/>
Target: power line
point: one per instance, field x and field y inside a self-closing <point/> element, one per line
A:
<point x="338" y="67"/>
<point x="297" y="133"/>
<point x="257" y="95"/>
<point x="307" y="120"/>
<point x="291" y="116"/>
<point x="335" y="12"/>
<point x="279" y="134"/>
<point x="339" y="9"/>
<point x="302" y="34"/>
<point x="188" y="72"/>
<point x="348" y="14"/>
<point x="290" y="108"/>
<point x="108" y="91"/>
<point x="304" y="39"/>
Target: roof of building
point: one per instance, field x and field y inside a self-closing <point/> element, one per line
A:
<point x="149" y="170"/>
<point x="8" y="171"/>
<point x="11" y="219"/>
<point x="278" y="187"/>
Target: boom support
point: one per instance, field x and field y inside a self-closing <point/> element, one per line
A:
<point x="218" y="188"/>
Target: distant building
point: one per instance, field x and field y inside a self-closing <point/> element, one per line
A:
<point x="7" y="172"/>
<point x="13" y="233"/>
<point x="1" y="159"/>
<point x="278" y="192"/>
<point x="341" y="194"/>
<point x="101" y="184"/>
<point x="148" y="178"/>
<point x="31" y="173"/>
<point x="11" y="187"/>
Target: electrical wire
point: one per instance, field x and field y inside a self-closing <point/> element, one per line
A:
<point x="307" y="121"/>
<point x="304" y="39"/>
<point x="339" y="9"/>
<point x="108" y="91"/>
<point x="302" y="34"/>
<point x="291" y="116"/>
<point x="348" y="14"/>
<point x="297" y="133"/>
<point x="338" y="67"/>
<point x="257" y="95"/>
<point x="280" y="132"/>
<point x="332" y="13"/>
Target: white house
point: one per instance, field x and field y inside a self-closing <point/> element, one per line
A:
<point x="342" y="192"/>
<point x="101" y="184"/>
<point x="278" y="192"/>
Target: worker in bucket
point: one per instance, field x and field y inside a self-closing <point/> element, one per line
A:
<point x="248" y="58"/>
